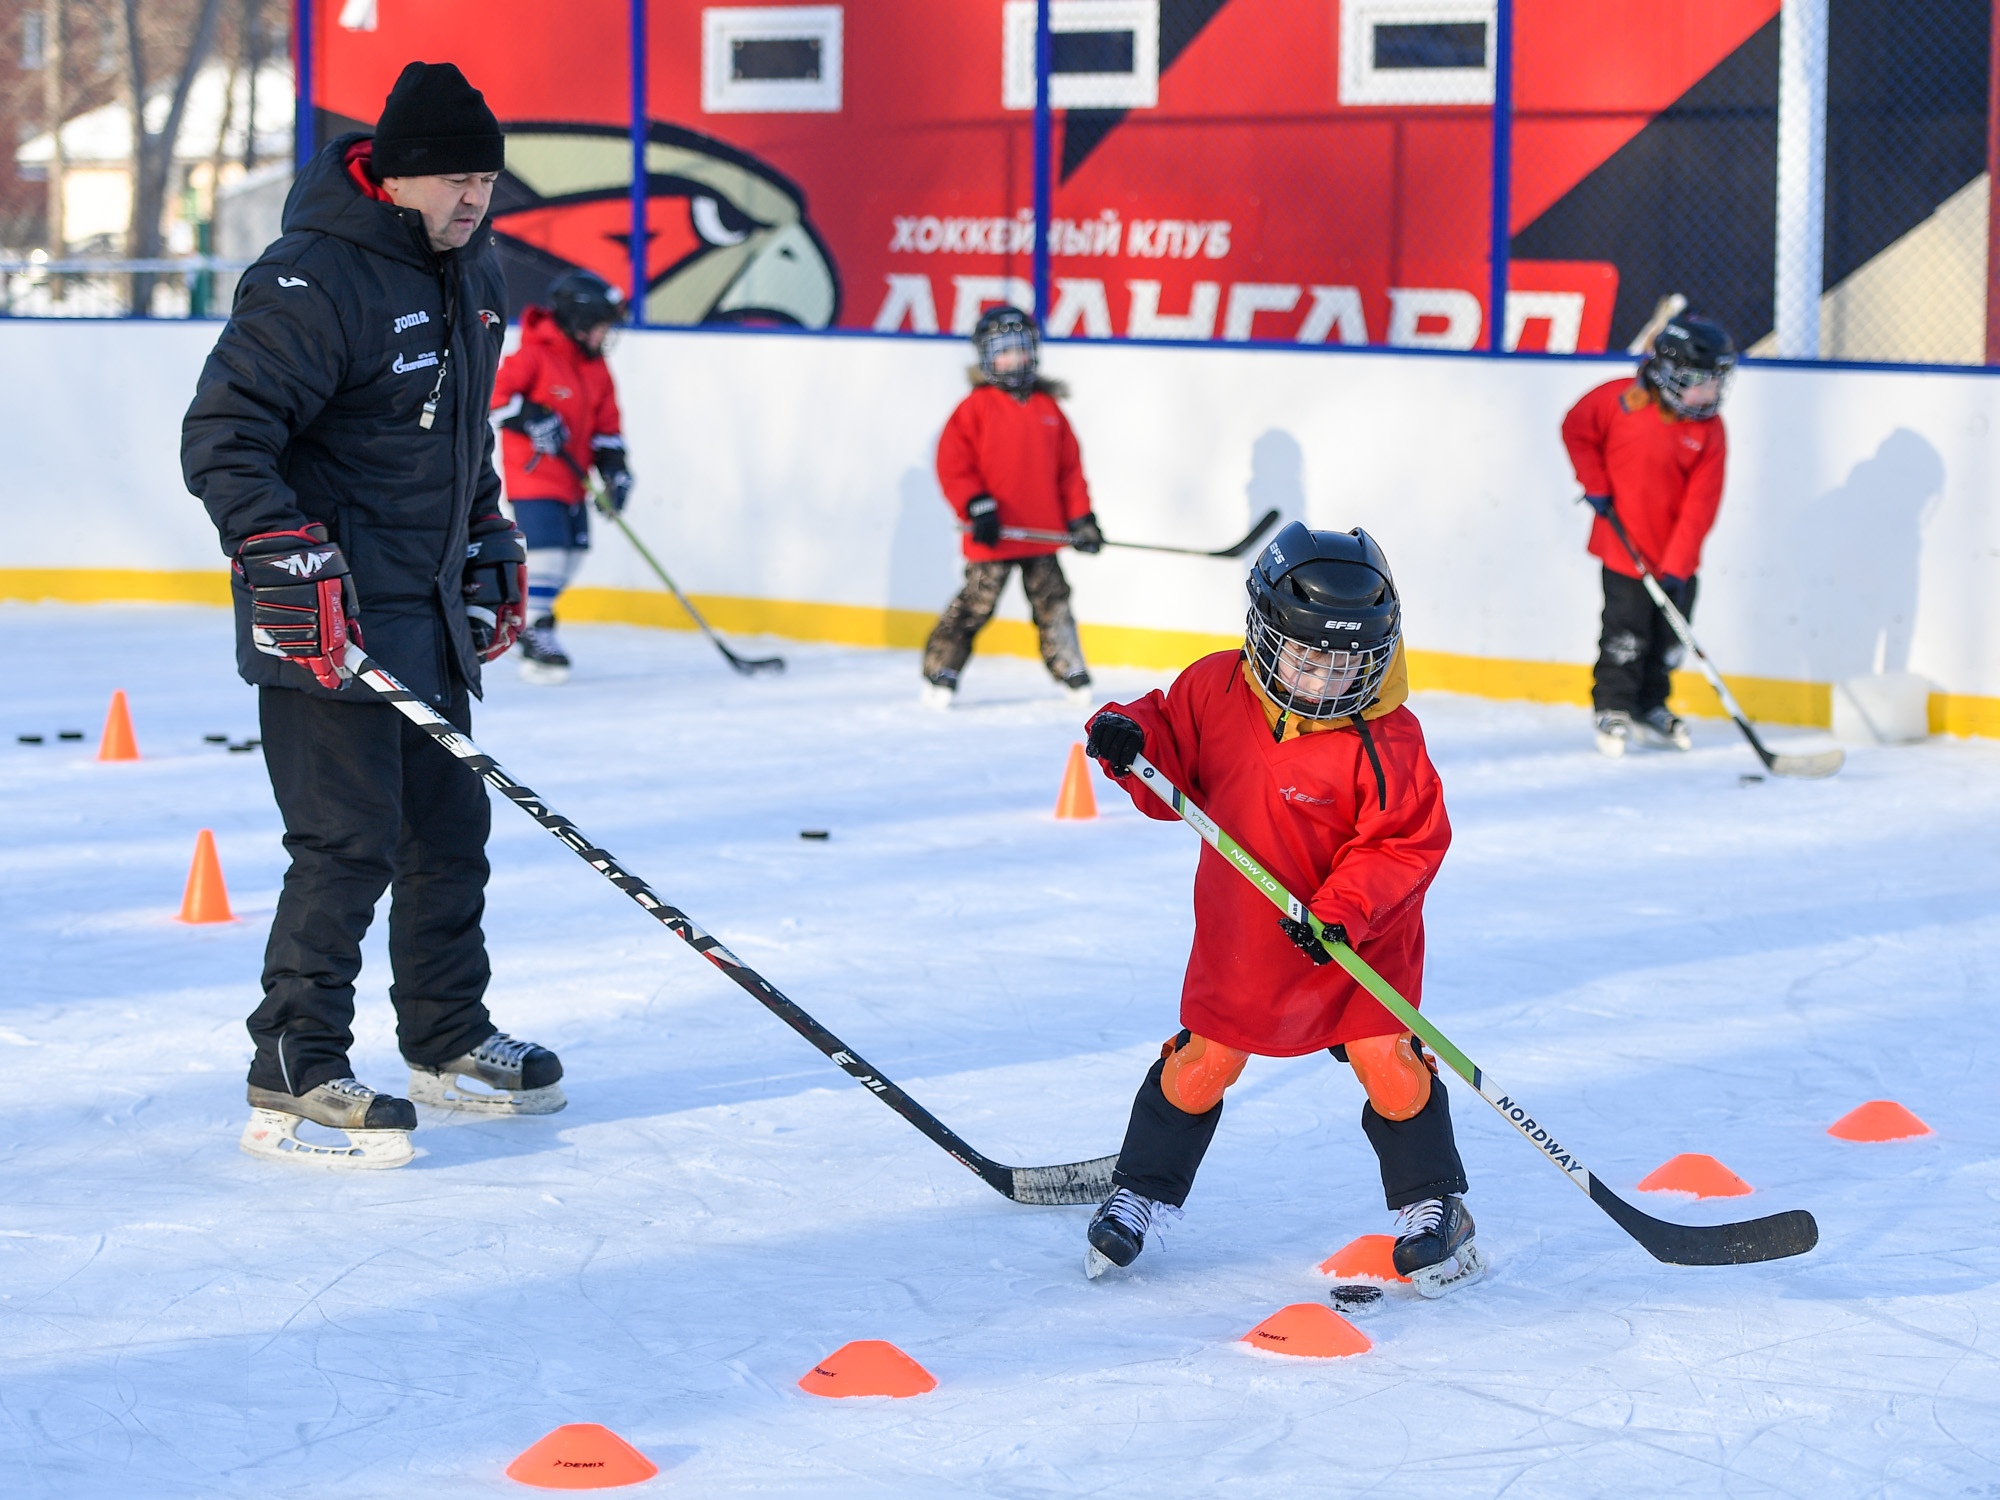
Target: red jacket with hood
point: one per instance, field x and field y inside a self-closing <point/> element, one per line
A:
<point x="1024" y="455"/>
<point x="550" y="370"/>
<point x="1664" y="475"/>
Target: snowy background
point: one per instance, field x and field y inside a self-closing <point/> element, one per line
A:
<point x="1655" y="955"/>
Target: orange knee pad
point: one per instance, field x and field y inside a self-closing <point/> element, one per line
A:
<point x="1197" y="1072"/>
<point x="1398" y="1081"/>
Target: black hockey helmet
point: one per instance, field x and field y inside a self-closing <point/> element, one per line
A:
<point x="1693" y="362"/>
<point x="999" y="331"/>
<point x="1324" y="621"/>
<point x="583" y="300"/>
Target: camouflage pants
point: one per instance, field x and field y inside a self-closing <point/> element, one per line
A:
<point x="950" y="644"/>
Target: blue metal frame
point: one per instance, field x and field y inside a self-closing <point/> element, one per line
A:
<point x="1044" y="142"/>
<point x="640" y="185"/>
<point x="1501" y="242"/>
<point x="302" y="86"/>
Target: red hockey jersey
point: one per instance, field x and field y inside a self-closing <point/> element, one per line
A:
<point x="1312" y="813"/>
<point x="551" y="371"/>
<point x="1024" y="455"/>
<point x="1664" y="475"/>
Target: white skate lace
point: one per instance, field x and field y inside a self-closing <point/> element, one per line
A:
<point x="349" y="1088"/>
<point x="502" y="1051"/>
<point x="1138" y="1214"/>
<point x="1420" y="1217"/>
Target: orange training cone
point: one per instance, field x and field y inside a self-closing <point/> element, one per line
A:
<point x="1691" y="1172"/>
<point x="206" y="899"/>
<point x="118" y="743"/>
<point x="1372" y="1256"/>
<point x="1309" y="1331"/>
<point x="867" y="1367"/>
<point x="582" y="1456"/>
<point x="1076" y="799"/>
<point x="1878" y="1120"/>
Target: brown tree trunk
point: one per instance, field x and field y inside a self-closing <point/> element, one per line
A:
<point x="153" y="153"/>
<point x="52" y="112"/>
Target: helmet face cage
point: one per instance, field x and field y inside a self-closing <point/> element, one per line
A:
<point x="1315" y="682"/>
<point x="1008" y="348"/>
<point x="582" y="300"/>
<point x="1693" y="366"/>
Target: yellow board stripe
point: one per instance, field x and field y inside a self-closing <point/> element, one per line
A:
<point x="1769" y="700"/>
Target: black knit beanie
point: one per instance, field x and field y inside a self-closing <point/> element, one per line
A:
<point x="436" y="124"/>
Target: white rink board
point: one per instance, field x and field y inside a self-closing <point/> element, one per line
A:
<point x="1856" y="532"/>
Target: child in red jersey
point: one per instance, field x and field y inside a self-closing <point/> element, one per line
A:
<point x="1654" y="449"/>
<point x="558" y="416"/>
<point x="1008" y="459"/>
<point x="1301" y="746"/>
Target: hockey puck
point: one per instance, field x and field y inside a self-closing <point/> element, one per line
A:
<point x="1748" y="778"/>
<point x="818" y="835"/>
<point x="69" y="734"/>
<point x="1356" y="1297"/>
<point x="246" y="745"/>
<point x="29" y="739"/>
<point x="215" y="739"/>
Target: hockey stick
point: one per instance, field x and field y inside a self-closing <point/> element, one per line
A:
<point x="1063" y="539"/>
<point x="1790" y="1233"/>
<point x="1825" y="763"/>
<point x="1073" y="1182"/>
<point x="749" y="666"/>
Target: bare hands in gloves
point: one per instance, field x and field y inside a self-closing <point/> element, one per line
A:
<point x="617" y="478"/>
<point x="1115" y="740"/>
<point x="302" y="603"/>
<point x="547" y="433"/>
<point x="984" y="513"/>
<point x="1301" y="933"/>
<point x="496" y="585"/>
<point x="1084" y="535"/>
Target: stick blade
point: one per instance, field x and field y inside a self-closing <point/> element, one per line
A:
<point x="1253" y="536"/>
<point x="750" y="666"/>
<point x="1808" y="767"/>
<point x="1077" y="1182"/>
<point x="1776" y="1237"/>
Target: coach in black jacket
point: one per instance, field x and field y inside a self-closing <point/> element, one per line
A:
<point x="339" y="440"/>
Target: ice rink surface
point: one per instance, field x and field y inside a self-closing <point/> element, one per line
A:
<point x="1654" y="955"/>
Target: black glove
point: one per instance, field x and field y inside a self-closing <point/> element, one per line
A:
<point x="547" y="433"/>
<point x="984" y="513"/>
<point x="1599" y="503"/>
<point x="1084" y="535"/>
<point x="1115" y="740"/>
<point x="302" y="603"/>
<point x="1301" y="933"/>
<point x="617" y="478"/>
<point x="1675" y="589"/>
<point x="496" y="585"/>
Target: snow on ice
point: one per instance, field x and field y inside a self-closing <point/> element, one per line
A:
<point x="1656" y="956"/>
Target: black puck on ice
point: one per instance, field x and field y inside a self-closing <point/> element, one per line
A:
<point x="1749" y="778"/>
<point x="69" y="734"/>
<point x="29" y="739"/>
<point x="1356" y="1296"/>
<point x="819" y="835"/>
<point x="215" y="739"/>
<point x="246" y="745"/>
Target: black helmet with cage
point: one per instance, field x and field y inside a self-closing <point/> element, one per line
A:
<point x="1001" y="337"/>
<point x="1324" y="621"/>
<point x="1692" y="365"/>
<point x="583" y="300"/>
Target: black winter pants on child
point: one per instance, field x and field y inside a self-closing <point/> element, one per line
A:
<point x="1164" y="1147"/>
<point x="1637" y="648"/>
<point x="950" y="645"/>
<point x="370" y="803"/>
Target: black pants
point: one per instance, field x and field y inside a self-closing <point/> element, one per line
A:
<point x="950" y="645"/>
<point x="1637" y="648"/>
<point x="1164" y="1147"/>
<point x="370" y="804"/>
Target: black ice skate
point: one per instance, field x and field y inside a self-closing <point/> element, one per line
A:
<point x="517" y="1078"/>
<point x="1117" y="1231"/>
<point x="377" y="1126"/>
<point x="542" y="657"/>
<point x="941" y="691"/>
<point x="1614" y="732"/>
<point x="1434" y="1246"/>
<point x="1663" y="729"/>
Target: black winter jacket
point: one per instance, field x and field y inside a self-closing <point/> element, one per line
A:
<point x="309" y="409"/>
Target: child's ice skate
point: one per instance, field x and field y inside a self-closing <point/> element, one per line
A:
<point x="377" y="1126"/>
<point x="543" y="659"/>
<point x="515" y="1078"/>
<point x="1117" y="1231"/>
<point x="1434" y="1245"/>
<point x="1614" y="732"/>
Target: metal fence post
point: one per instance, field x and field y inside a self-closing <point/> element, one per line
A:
<point x="640" y="186"/>
<point x="1801" y="247"/>
<point x="302" y="85"/>
<point x="1043" y="142"/>
<point x="1501" y="233"/>
<point x="1993" y="196"/>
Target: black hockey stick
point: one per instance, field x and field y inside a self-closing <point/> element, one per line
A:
<point x="1063" y="539"/>
<point x="1073" y="1182"/>
<point x="1825" y="763"/>
<point x="1790" y="1233"/>
<point x="749" y="666"/>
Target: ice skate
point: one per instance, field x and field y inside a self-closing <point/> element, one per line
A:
<point x="1663" y="729"/>
<point x="377" y="1126"/>
<point x="1117" y="1231"/>
<point x="1078" y="688"/>
<point x="1614" y="732"/>
<point x="941" y="691"/>
<point x="501" y="1076"/>
<point x="543" y="660"/>
<point x="1434" y="1246"/>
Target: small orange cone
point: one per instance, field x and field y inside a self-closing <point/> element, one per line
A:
<point x="118" y="743"/>
<point x="1372" y="1256"/>
<point x="1691" y="1172"/>
<point x="1878" y="1120"/>
<point x="867" y="1367"/>
<point x="1076" y="799"/>
<point x="206" y="899"/>
<point x="1309" y="1331"/>
<point x="582" y="1456"/>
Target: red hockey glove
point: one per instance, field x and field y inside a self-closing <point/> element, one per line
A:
<point x="1301" y="933"/>
<point x="302" y="603"/>
<point x="1114" y="739"/>
<point x="496" y="585"/>
<point x="984" y="514"/>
